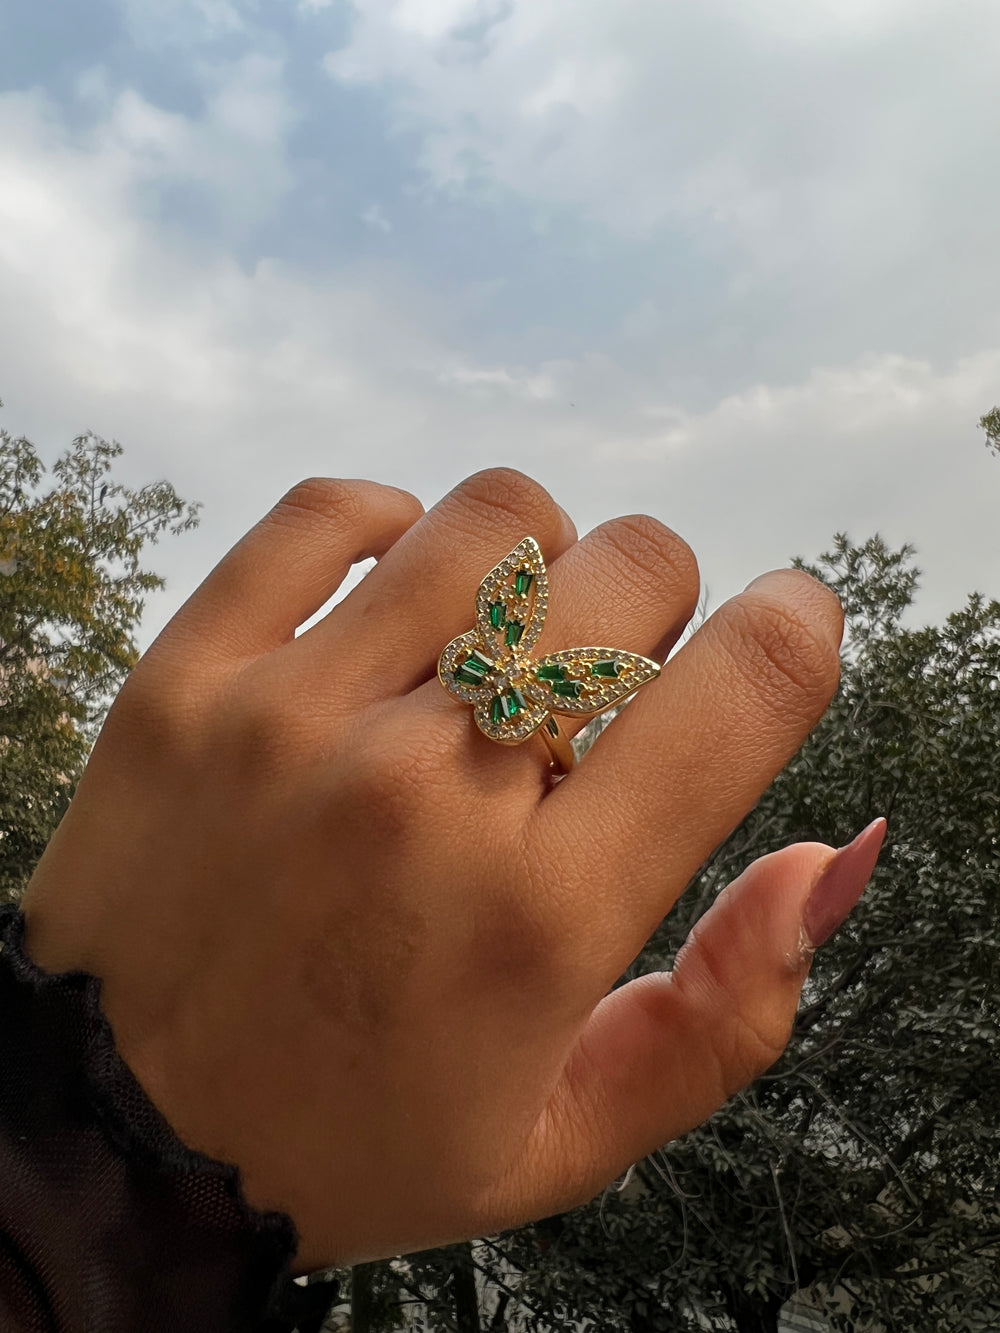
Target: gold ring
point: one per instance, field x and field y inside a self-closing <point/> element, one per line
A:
<point x="515" y="695"/>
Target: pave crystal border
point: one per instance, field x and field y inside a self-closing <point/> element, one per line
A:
<point x="599" y="692"/>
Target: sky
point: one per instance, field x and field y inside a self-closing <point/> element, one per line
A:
<point x="732" y="263"/>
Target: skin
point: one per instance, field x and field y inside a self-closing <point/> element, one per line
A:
<point x="363" y="952"/>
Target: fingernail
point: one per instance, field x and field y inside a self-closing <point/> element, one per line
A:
<point x="841" y="885"/>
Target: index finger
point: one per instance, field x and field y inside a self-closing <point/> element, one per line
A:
<point x="692" y="753"/>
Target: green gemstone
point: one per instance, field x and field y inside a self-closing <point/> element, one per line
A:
<point x="514" y="631"/>
<point x="479" y="663"/>
<point x="496" y="710"/>
<point x="511" y="703"/>
<point x="568" y="689"/>
<point x="519" y="699"/>
<point x="522" y="581"/>
<point x="552" y="726"/>
<point x="498" y="615"/>
<point x="608" y="667"/>
<point x="555" y="671"/>
<point x="468" y="677"/>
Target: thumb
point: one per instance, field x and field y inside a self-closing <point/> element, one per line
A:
<point x="663" y="1052"/>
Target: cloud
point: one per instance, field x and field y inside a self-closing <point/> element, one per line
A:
<point x="488" y="384"/>
<point x="235" y="151"/>
<point x="826" y="158"/>
<point x="635" y="113"/>
<point x="237" y="378"/>
<point x="232" y="154"/>
<point x="172" y="23"/>
<point x="374" y="218"/>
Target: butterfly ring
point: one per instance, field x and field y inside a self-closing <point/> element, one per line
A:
<point x="513" y="694"/>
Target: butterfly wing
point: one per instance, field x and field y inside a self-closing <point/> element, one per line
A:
<point x="512" y="600"/>
<point x="487" y="666"/>
<point x="584" y="681"/>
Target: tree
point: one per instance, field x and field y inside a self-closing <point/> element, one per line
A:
<point x="862" y="1169"/>
<point x="990" y="423"/>
<point x="72" y="590"/>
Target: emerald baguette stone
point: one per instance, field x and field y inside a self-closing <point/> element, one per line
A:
<point x="496" y="709"/>
<point x="480" y="662"/>
<point x="514" y="631"/>
<point x="555" y="671"/>
<point x="607" y="667"/>
<point x="522" y="581"/>
<point x="568" y="689"/>
<point x="498" y="615"/>
<point x="508" y="705"/>
<point x="468" y="677"/>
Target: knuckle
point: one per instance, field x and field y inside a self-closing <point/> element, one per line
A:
<point x="747" y="1037"/>
<point x="520" y="934"/>
<point x="654" y="551"/>
<point x="257" y="728"/>
<point x="745" y="1050"/>
<point x="326" y="498"/>
<point x="507" y="490"/>
<point x="383" y="791"/>
<point x="159" y="715"/>
<point x="513" y="946"/>
<point x="784" y="653"/>
<point x="825" y="600"/>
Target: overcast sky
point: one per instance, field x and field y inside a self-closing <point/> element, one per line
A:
<point x="734" y="263"/>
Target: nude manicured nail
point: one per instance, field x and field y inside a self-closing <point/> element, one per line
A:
<point x="841" y="885"/>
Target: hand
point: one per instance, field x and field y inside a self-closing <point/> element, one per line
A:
<point x="355" y="947"/>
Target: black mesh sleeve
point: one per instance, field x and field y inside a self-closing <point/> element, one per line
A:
<point x="108" y="1222"/>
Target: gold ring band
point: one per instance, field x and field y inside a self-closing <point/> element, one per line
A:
<point x="559" y="745"/>
<point x="513" y="694"/>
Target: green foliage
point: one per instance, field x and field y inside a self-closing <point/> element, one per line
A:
<point x="990" y="423"/>
<point x="72" y="590"/>
<point x="861" y="1169"/>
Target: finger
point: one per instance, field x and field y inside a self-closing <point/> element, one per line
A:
<point x="691" y="755"/>
<point x="290" y="563"/>
<point x="423" y="593"/>
<point x="661" y="1053"/>
<point x="631" y="583"/>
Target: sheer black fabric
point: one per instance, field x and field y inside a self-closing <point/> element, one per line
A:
<point x="108" y="1223"/>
